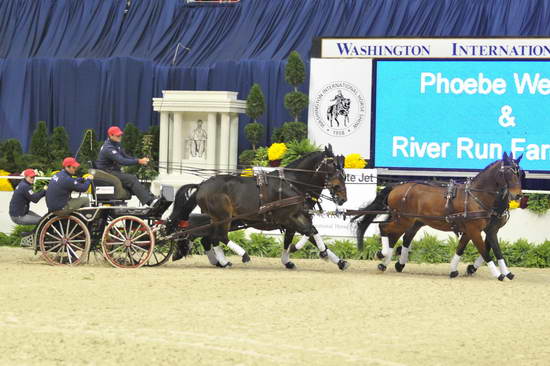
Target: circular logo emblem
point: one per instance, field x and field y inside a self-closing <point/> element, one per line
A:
<point x="339" y="108"/>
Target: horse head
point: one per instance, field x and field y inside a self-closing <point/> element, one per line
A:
<point x="510" y="175"/>
<point x="335" y="178"/>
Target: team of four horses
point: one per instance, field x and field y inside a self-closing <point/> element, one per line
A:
<point x="283" y="199"/>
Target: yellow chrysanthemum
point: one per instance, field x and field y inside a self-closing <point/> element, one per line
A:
<point x="354" y="161"/>
<point x="5" y="185"/>
<point x="276" y="151"/>
<point x="513" y="204"/>
<point x="248" y="172"/>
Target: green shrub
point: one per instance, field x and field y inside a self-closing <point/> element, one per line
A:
<point x="538" y="203"/>
<point x="290" y="131"/>
<point x="246" y="157"/>
<point x="260" y="159"/>
<point x="255" y="105"/>
<point x="295" y="102"/>
<point x="254" y="133"/>
<point x="298" y="149"/>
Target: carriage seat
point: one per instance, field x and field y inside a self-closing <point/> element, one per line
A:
<point x="108" y="187"/>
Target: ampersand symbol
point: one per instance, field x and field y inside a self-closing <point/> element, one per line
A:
<point x="506" y="119"/>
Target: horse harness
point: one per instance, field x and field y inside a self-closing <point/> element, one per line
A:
<point x="456" y="219"/>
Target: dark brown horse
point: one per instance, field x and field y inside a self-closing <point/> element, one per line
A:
<point x="466" y="208"/>
<point x="231" y="199"/>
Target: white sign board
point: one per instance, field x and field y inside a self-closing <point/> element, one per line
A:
<point x="435" y="47"/>
<point x="340" y="105"/>
<point x="361" y="190"/>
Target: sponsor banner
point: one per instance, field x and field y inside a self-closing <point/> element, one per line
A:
<point x="361" y="189"/>
<point x="461" y="114"/>
<point x="435" y="47"/>
<point x="339" y="105"/>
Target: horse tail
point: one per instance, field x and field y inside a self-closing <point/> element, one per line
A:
<point x="379" y="203"/>
<point x="184" y="203"/>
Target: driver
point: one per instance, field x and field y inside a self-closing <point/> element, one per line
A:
<point x="58" y="196"/>
<point x="20" y="212"/>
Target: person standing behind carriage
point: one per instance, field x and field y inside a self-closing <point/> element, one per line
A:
<point x="111" y="157"/>
<point x="58" y="195"/>
<point x="20" y="212"/>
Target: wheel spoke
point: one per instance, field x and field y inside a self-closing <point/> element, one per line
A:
<point x="129" y="231"/>
<point x="52" y="248"/>
<point x="139" y="236"/>
<point x="140" y="248"/>
<point x="121" y="234"/>
<point x="117" y="248"/>
<point x="60" y="226"/>
<point x="55" y="237"/>
<point x="116" y="237"/>
<point x="75" y="246"/>
<point x="57" y="231"/>
<point x="68" y="225"/>
<point x="72" y="252"/>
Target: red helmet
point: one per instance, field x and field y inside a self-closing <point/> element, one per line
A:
<point x="70" y="162"/>
<point x="29" y="173"/>
<point x="114" y="131"/>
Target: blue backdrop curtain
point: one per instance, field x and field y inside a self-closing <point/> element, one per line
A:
<point x="90" y="64"/>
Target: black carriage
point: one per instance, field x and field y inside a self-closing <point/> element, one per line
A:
<point x="128" y="237"/>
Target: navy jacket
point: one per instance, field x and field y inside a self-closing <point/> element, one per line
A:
<point x="60" y="188"/>
<point x="22" y="197"/>
<point x="111" y="157"/>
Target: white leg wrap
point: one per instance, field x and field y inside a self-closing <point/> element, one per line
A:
<point x="219" y="255"/>
<point x="320" y="243"/>
<point x="385" y="245"/>
<point x="503" y="268"/>
<point x="478" y="262"/>
<point x="333" y="257"/>
<point x="404" y="257"/>
<point x="236" y="248"/>
<point x="454" y="262"/>
<point x="285" y="258"/>
<point x="387" y="258"/>
<point x="494" y="271"/>
<point x="300" y="244"/>
<point x="212" y="257"/>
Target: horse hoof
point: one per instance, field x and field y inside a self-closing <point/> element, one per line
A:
<point x="343" y="265"/>
<point x="453" y="274"/>
<point x="510" y="275"/>
<point x="227" y="265"/>
<point x="379" y="255"/>
<point x="323" y="255"/>
<point x="501" y="277"/>
<point x="381" y="267"/>
<point x="290" y="265"/>
<point x="399" y="267"/>
<point x="246" y="258"/>
<point x="471" y="269"/>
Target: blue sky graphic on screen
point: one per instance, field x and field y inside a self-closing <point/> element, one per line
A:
<point x="462" y="114"/>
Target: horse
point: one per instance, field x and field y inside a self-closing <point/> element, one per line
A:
<point x="339" y="109"/>
<point x="468" y="208"/>
<point x="232" y="202"/>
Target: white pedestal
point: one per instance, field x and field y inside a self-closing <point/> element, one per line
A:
<point x="198" y="135"/>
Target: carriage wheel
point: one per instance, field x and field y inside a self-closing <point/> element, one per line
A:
<point x="162" y="253"/>
<point x="128" y="242"/>
<point x="64" y="240"/>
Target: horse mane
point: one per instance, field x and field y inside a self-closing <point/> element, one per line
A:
<point x="297" y="162"/>
<point x="489" y="166"/>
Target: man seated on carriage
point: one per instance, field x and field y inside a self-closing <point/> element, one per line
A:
<point x="20" y="212"/>
<point x="58" y="195"/>
<point x="112" y="156"/>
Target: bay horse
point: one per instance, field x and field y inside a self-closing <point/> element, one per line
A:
<point x="468" y="208"/>
<point x="232" y="202"/>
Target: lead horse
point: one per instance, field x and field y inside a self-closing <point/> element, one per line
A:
<point x="253" y="202"/>
<point x="468" y="208"/>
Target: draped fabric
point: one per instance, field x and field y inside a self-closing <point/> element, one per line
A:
<point x="89" y="64"/>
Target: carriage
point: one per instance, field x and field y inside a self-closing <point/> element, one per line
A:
<point x="128" y="237"/>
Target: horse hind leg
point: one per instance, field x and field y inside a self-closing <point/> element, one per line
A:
<point x="290" y="248"/>
<point x="464" y="239"/>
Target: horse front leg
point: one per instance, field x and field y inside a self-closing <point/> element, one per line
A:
<point x="406" y="247"/>
<point x="492" y="241"/>
<point x="390" y="233"/>
<point x="305" y="226"/>
<point x="482" y="248"/>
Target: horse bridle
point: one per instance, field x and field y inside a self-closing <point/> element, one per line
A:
<point x="338" y="173"/>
